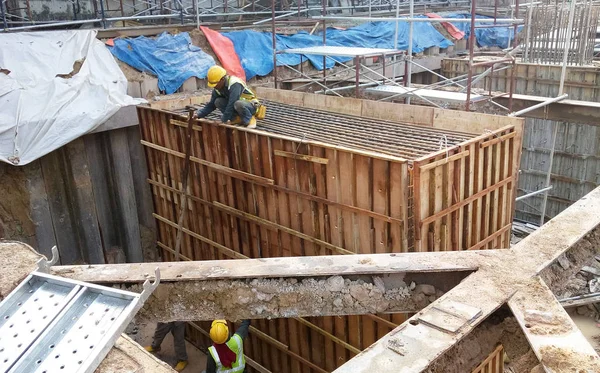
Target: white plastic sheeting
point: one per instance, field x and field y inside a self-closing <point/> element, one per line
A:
<point x="40" y="112"/>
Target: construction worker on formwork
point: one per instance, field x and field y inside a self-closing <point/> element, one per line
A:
<point x="232" y="97"/>
<point x="226" y="355"/>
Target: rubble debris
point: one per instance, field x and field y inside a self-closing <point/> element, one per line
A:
<point x="591" y="270"/>
<point x="271" y="298"/>
<point x="566" y="360"/>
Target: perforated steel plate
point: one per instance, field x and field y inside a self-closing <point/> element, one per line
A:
<point x="49" y="324"/>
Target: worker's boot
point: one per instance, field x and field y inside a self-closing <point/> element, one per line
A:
<point x="237" y="120"/>
<point x="181" y="364"/>
<point x="152" y="349"/>
<point x="252" y="123"/>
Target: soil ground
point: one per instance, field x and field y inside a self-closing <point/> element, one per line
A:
<point x="196" y="358"/>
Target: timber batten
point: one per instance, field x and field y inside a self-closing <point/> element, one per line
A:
<point x="297" y="186"/>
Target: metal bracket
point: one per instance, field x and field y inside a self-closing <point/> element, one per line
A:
<point x="44" y="265"/>
<point x="148" y="287"/>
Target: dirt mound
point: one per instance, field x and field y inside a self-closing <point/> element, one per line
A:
<point x="199" y="40"/>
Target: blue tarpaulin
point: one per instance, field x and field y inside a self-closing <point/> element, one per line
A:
<point x="172" y="58"/>
<point x="500" y="37"/>
<point x="255" y="48"/>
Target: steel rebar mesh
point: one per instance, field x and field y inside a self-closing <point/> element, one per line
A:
<point x="547" y="35"/>
<point x="375" y="135"/>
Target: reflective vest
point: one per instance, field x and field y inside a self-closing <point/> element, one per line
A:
<point x="247" y="93"/>
<point x="236" y="345"/>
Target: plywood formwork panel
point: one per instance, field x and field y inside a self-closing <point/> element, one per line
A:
<point x="304" y="185"/>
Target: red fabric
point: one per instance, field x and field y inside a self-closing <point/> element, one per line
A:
<point x="454" y="32"/>
<point x="223" y="48"/>
<point x="226" y="356"/>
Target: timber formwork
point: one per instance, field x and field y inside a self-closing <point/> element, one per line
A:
<point x="314" y="182"/>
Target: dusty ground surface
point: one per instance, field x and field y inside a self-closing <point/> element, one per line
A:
<point x="15" y="222"/>
<point x="131" y="74"/>
<point x="500" y="327"/>
<point x="199" y="40"/>
<point x="129" y="357"/>
<point x="237" y="300"/>
<point x="589" y="327"/>
<point x="142" y="334"/>
<point x="17" y="261"/>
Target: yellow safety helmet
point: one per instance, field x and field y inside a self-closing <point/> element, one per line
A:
<point x="214" y="75"/>
<point x="219" y="331"/>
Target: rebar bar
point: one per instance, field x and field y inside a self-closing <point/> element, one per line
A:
<point x="375" y="135"/>
<point x="554" y="29"/>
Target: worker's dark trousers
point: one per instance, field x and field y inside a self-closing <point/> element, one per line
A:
<point x="177" y="328"/>
<point x="245" y="109"/>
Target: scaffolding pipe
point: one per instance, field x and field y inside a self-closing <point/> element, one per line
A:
<point x="537" y="106"/>
<point x="563" y="72"/>
<point x="274" y="41"/>
<point x="471" y="49"/>
<point x="396" y="35"/>
<point x="410" y="47"/>
<point x="457" y="20"/>
<point x="3" y="14"/>
<point x="533" y="193"/>
<point x="549" y="174"/>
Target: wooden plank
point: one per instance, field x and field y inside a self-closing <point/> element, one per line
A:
<point x="466" y="201"/>
<point x="490" y="238"/>
<point x="58" y="201"/>
<point x="303" y="157"/>
<point x="498" y="139"/>
<point x="271" y="225"/>
<point x="478" y="203"/>
<point x="39" y="208"/>
<point x="496" y="167"/>
<point x="381" y="198"/>
<point x="487" y="182"/>
<point x="347" y="190"/>
<point x="444" y="161"/>
<point x="438" y="195"/>
<point x="126" y="197"/>
<point x="294" y="206"/>
<point x="425" y="209"/>
<point x="214" y="166"/>
<point x="280" y="176"/>
<point x="86" y="219"/>
<point x="224" y="250"/>
<point x="363" y="180"/>
<point x="246" y="231"/>
<point x="139" y="168"/>
<point x="412" y="114"/>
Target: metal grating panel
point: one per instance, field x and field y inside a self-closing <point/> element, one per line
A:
<point x="49" y="324"/>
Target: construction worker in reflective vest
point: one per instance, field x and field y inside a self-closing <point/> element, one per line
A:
<point x="232" y="97"/>
<point x="226" y="355"/>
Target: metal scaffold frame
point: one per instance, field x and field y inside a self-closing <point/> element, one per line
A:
<point x="407" y="91"/>
<point x="22" y="15"/>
